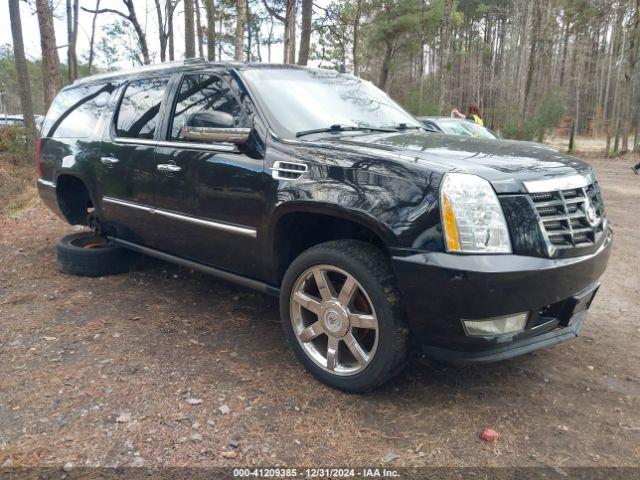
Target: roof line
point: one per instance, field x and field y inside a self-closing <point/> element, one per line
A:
<point x="158" y="67"/>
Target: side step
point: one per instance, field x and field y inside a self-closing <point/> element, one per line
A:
<point x="216" y="272"/>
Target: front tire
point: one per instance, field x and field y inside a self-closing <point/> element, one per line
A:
<point x="342" y="315"/>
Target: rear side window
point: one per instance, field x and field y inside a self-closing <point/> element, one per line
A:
<point x="140" y="108"/>
<point x="203" y="92"/>
<point x="75" y="111"/>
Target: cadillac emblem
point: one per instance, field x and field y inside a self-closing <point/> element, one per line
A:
<point x="590" y="212"/>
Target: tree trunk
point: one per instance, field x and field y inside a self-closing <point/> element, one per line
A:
<point x="270" y="40"/>
<point x="248" y="45"/>
<point x="220" y="29"/>
<point x="258" y="42"/>
<point x="578" y="87"/>
<point x="633" y="59"/>
<point x="22" y="73"/>
<point x="211" y="29"/>
<point x="72" y="39"/>
<point x="290" y="32"/>
<point x="610" y="106"/>
<point x="617" y="97"/>
<point x="383" y="81"/>
<point x="533" y="57"/>
<point x="51" y="81"/>
<point x="356" y="37"/>
<point x="565" y="44"/>
<point x="241" y="18"/>
<point x="189" y="36"/>
<point x="305" y="32"/>
<point x="199" y="30"/>
<point x="93" y="36"/>
<point x="162" y="35"/>
<point x="172" y="49"/>
<point x="444" y="53"/>
<point x="142" y="38"/>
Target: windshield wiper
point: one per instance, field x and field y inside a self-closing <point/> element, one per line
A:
<point x="406" y="126"/>
<point x="344" y="128"/>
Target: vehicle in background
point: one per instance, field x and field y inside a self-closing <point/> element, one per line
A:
<point x="18" y="120"/>
<point x="466" y="128"/>
<point x="6" y="119"/>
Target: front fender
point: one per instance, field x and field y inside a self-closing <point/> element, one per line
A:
<point x="363" y="218"/>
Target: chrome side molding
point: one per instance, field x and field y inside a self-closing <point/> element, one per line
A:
<point x="168" y="167"/>
<point x="208" y="134"/>
<point x="240" y="230"/>
<point x="175" y="144"/>
<point x="46" y="183"/>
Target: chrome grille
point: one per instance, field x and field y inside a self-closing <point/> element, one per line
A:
<point x="570" y="218"/>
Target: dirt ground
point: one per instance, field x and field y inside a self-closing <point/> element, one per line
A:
<point x="166" y="367"/>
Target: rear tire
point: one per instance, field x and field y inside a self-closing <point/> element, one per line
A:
<point x="88" y="255"/>
<point x="351" y="341"/>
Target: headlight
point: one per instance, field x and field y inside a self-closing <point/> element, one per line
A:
<point x="472" y="218"/>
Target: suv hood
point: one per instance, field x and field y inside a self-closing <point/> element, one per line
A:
<point x="505" y="163"/>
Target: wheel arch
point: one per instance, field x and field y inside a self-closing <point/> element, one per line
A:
<point x="297" y="226"/>
<point x="74" y="198"/>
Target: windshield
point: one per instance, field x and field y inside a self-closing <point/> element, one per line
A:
<point x="466" y="128"/>
<point x="301" y="100"/>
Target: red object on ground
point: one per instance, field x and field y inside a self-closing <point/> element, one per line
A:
<point x="489" y="435"/>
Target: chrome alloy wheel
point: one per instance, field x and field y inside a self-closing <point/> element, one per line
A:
<point x="334" y="320"/>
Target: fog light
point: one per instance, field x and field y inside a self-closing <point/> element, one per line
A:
<point x="496" y="326"/>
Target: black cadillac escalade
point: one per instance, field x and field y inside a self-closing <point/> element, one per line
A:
<point x="315" y="186"/>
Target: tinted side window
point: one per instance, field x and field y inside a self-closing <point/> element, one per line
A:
<point x="203" y="92"/>
<point x="140" y="108"/>
<point x="75" y="111"/>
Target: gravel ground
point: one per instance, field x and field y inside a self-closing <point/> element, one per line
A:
<point x="166" y="367"/>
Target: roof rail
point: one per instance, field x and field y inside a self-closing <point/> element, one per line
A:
<point x="157" y="67"/>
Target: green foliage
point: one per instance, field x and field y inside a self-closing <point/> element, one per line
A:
<point x="13" y="145"/>
<point x="543" y="122"/>
<point x="422" y="99"/>
<point x="9" y="82"/>
<point x="335" y="37"/>
<point x="117" y="42"/>
<point x="17" y="171"/>
<point x="547" y="116"/>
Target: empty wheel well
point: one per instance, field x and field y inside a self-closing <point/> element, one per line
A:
<point x="296" y="232"/>
<point x="73" y="199"/>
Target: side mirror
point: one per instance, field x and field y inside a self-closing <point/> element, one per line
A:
<point x="214" y="126"/>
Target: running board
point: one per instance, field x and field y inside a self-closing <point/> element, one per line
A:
<point x="216" y="272"/>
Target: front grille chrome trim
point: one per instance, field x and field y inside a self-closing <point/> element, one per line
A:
<point x="560" y="183"/>
<point x="571" y="218"/>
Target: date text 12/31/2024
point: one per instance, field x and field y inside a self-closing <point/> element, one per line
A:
<point x="315" y="473"/>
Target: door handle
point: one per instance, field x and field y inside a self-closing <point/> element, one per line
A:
<point x="109" y="161"/>
<point x="168" y="167"/>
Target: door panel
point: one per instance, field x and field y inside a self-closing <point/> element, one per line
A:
<point x="231" y="189"/>
<point x="174" y="193"/>
<point x="127" y="168"/>
<point x="216" y="194"/>
<point x="127" y="185"/>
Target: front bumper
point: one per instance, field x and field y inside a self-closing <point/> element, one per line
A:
<point x="439" y="290"/>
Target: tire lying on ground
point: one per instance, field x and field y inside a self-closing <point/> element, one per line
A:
<point x="88" y="255"/>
